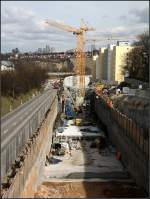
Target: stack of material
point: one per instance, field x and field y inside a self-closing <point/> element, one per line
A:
<point x="78" y="121"/>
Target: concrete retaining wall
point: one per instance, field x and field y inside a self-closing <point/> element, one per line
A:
<point x="28" y="176"/>
<point x="134" y="155"/>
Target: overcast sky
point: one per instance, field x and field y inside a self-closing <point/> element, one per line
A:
<point x="22" y="27"/>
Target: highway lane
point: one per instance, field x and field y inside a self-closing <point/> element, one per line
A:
<point x="10" y="115"/>
<point x="8" y="138"/>
<point x="17" y="126"/>
<point x="10" y="124"/>
<point x="7" y="126"/>
<point x="5" y="119"/>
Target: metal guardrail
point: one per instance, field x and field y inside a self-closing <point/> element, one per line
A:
<point x="14" y="140"/>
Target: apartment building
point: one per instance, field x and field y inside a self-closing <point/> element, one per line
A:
<point x="109" y="63"/>
<point x="108" y="70"/>
<point x="118" y="59"/>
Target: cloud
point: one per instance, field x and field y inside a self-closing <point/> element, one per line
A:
<point x="141" y="15"/>
<point x="22" y="26"/>
<point x="137" y="16"/>
<point x="25" y="29"/>
<point x="16" y="15"/>
<point x="123" y="17"/>
<point x="105" y="16"/>
<point x="125" y="32"/>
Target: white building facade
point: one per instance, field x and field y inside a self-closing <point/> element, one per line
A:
<point x="109" y="64"/>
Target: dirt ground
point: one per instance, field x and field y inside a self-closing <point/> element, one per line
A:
<point x="85" y="163"/>
<point x="85" y="174"/>
<point x="87" y="190"/>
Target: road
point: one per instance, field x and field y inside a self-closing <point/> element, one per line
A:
<point x="19" y="125"/>
<point x="14" y="119"/>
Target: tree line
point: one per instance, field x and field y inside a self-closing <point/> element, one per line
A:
<point x="137" y="60"/>
<point x="25" y="77"/>
<point x="65" y="66"/>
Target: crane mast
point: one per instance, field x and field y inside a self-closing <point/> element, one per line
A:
<point x="80" y="49"/>
<point x="80" y="61"/>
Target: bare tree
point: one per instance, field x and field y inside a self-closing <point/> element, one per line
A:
<point x="25" y="77"/>
<point x="137" y="60"/>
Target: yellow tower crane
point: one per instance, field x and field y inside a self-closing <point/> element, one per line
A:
<point x="80" y="49"/>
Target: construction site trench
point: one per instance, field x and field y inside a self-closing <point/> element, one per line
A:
<point x="82" y="162"/>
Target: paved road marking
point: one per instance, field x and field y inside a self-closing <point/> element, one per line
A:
<point x="5" y="131"/>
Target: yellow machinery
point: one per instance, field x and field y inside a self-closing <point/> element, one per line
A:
<point x="80" y="49"/>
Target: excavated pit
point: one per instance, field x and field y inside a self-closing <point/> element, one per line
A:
<point x="88" y="172"/>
